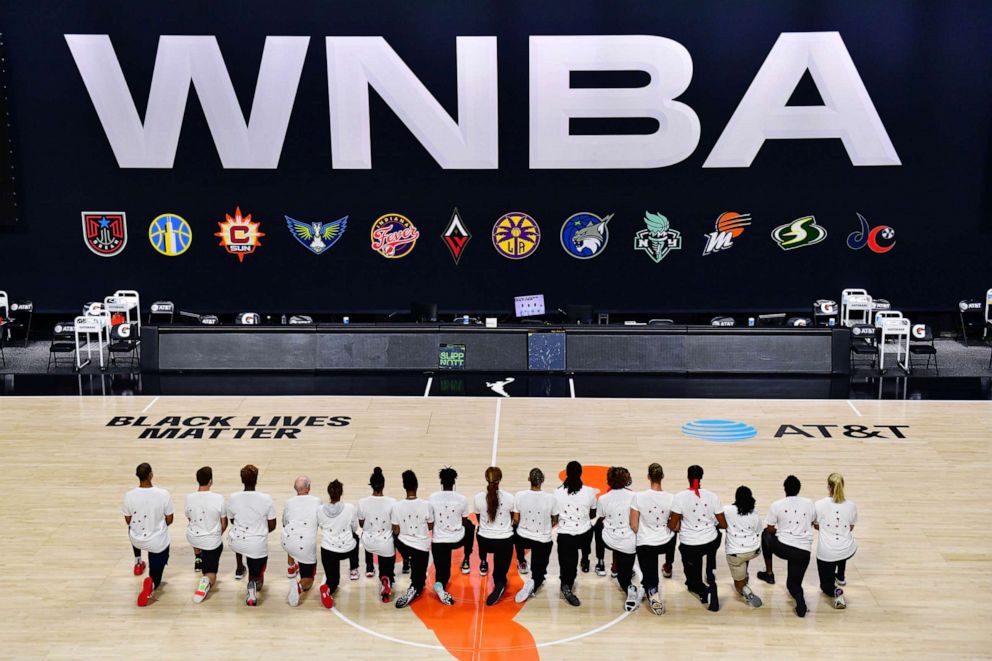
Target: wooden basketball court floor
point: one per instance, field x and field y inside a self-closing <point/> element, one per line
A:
<point x="919" y="587"/>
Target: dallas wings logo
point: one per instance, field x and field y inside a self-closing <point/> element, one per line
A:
<point x="317" y="237"/>
<point x="729" y="226"/>
<point x="799" y="233"/>
<point x="239" y="235"/>
<point x="585" y="235"/>
<point x="105" y="232"/>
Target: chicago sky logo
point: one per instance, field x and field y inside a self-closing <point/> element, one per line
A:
<point x="516" y="235"/>
<point x="456" y="236"/>
<point x="799" y="233"/>
<point x="105" y="232"/>
<point x="729" y="226"/>
<point x="170" y="235"/>
<point x="722" y="431"/>
<point x="585" y="235"/>
<point x="879" y="239"/>
<point x="239" y="235"/>
<point x="659" y="238"/>
<point x="317" y="237"/>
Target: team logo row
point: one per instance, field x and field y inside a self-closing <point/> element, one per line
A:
<point x="515" y="235"/>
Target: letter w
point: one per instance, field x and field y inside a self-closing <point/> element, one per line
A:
<point x="181" y="60"/>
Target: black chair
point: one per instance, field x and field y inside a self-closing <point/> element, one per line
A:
<point x="661" y="322"/>
<point x="63" y="342"/>
<point x="123" y="340"/>
<point x="578" y="314"/>
<point x="863" y="343"/>
<point x="972" y="314"/>
<point x="423" y="313"/>
<point x="922" y="344"/>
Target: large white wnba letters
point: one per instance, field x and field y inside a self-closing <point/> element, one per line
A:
<point x="848" y="113"/>
<point x="181" y="60"/>
<point x="553" y="102"/>
<point x="355" y="63"/>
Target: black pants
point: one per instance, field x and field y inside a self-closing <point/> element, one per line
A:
<point x="442" y="560"/>
<point x="387" y="565"/>
<point x="256" y="567"/>
<point x="597" y="537"/>
<point x="540" y="555"/>
<point x="156" y="565"/>
<point x="797" y="559"/>
<point x="519" y="546"/>
<point x="692" y="562"/>
<point x="648" y="557"/>
<point x="711" y="558"/>
<point x="331" y="561"/>
<point x="502" y="551"/>
<point x="418" y="564"/>
<point x="569" y="547"/>
<point x="625" y="567"/>
<point x="137" y="552"/>
<point x="210" y="559"/>
<point x="829" y="571"/>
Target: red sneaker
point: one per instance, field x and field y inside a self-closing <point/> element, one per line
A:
<point x="139" y="567"/>
<point x="146" y="592"/>
<point x="291" y="571"/>
<point x="386" y="590"/>
<point x="325" y="596"/>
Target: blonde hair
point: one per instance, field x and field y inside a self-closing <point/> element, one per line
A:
<point x="836" y="483"/>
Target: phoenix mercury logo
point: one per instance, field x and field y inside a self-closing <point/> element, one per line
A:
<point x="729" y="226"/>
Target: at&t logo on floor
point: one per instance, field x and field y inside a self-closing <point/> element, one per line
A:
<point x="729" y="431"/>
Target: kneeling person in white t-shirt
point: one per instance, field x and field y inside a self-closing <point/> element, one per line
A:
<point x="207" y="518"/>
<point x="412" y="520"/>
<point x="299" y="539"/>
<point x="835" y="519"/>
<point x="451" y="525"/>
<point x="253" y="517"/>
<point x="339" y="522"/>
<point x="613" y="510"/>
<point x="535" y="514"/>
<point x="697" y="515"/>
<point x="148" y="514"/>
<point x="743" y="541"/>
<point x="789" y="535"/>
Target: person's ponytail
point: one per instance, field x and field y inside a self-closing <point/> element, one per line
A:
<point x="836" y="482"/>
<point x="573" y="477"/>
<point x="493" y="477"/>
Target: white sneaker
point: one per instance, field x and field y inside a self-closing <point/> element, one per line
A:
<point x="752" y="599"/>
<point x="201" y="590"/>
<point x="443" y="595"/>
<point x="840" y="603"/>
<point x="525" y="592"/>
<point x="840" y="582"/>
<point x="353" y="575"/>
<point x="406" y="598"/>
<point x="655" y="603"/>
<point x="251" y="596"/>
<point x="633" y="599"/>
<point x="294" y="593"/>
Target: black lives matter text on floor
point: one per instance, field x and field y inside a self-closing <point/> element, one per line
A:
<point x="227" y="426"/>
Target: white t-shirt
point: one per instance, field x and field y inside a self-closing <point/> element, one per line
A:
<point x="574" y="508"/>
<point x="535" y="509"/>
<point x="698" y="516"/>
<point x="614" y="509"/>
<point x="250" y="513"/>
<point x="148" y="509"/>
<point x="743" y="532"/>
<point x="836" y="537"/>
<point x="502" y="526"/>
<point x="338" y="523"/>
<point x="204" y="509"/>
<point x="653" y="508"/>
<point x="793" y="517"/>
<point x="299" y="528"/>
<point x="412" y="516"/>
<point x="377" y="531"/>
<point x="450" y="508"/>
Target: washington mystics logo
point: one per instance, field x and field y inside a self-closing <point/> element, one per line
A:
<point x="105" y="232"/>
<point x="585" y="235"/>
<point x="319" y="236"/>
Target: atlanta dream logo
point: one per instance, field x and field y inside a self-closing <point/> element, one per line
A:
<point x="105" y="232"/>
<point x="394" y="236"/>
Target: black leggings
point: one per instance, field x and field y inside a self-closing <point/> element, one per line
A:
<point x="331" y="561"/>
<point x="625" y="567"/>
<point x="597" y="537"/>
<point x="692" y="562"/>
<point x="648" y="557"/>
<point x="418" y="564"/>
<point x="156" y="565"/>
<point x="569" y="547"/>
<point x="442" y="560"/>
<point x="387" y="565"/>
<point x="502" y="550"/>
<point x="829" y="571"/>
<point x="797" y="559"/>
<point x="540" y="554"/>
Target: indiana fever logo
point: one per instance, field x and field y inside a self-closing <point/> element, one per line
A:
<point x="879" y="239"/>
<point x="394" y="236"/>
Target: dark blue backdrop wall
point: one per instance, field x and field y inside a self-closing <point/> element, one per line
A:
<point x="926" y="66"/>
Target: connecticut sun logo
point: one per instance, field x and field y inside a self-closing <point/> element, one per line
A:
<point x="239" y="235"/>
<point x="394" y="236"/>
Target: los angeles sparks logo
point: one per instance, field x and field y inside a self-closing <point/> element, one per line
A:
<point x="239" y="235"/>
<point x="394" y="236"/>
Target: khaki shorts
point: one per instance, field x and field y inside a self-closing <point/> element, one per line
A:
<point x="738" y="563"/>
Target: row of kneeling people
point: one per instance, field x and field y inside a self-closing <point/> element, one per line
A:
<point x="640" y="528"/>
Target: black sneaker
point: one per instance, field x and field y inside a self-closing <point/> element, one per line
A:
<point x="766" y="577"/>
<point x="714" y="598"/>
<point x="484" y="568"/>
<point x="495" y="595"/>
<point x="613" y="570"/>
<point x="585" y="565"/>
<point x="406" y="567"/>
<point x="801" y="610"/>
<point x="666" y="571"/>
<point x="569" y="596"/>
<point x="600" y="568"/>
<point x="466" y="567"/>
<point x="198" y="564"/>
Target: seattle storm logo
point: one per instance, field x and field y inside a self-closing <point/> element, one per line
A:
<point x="585" y="235"/>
